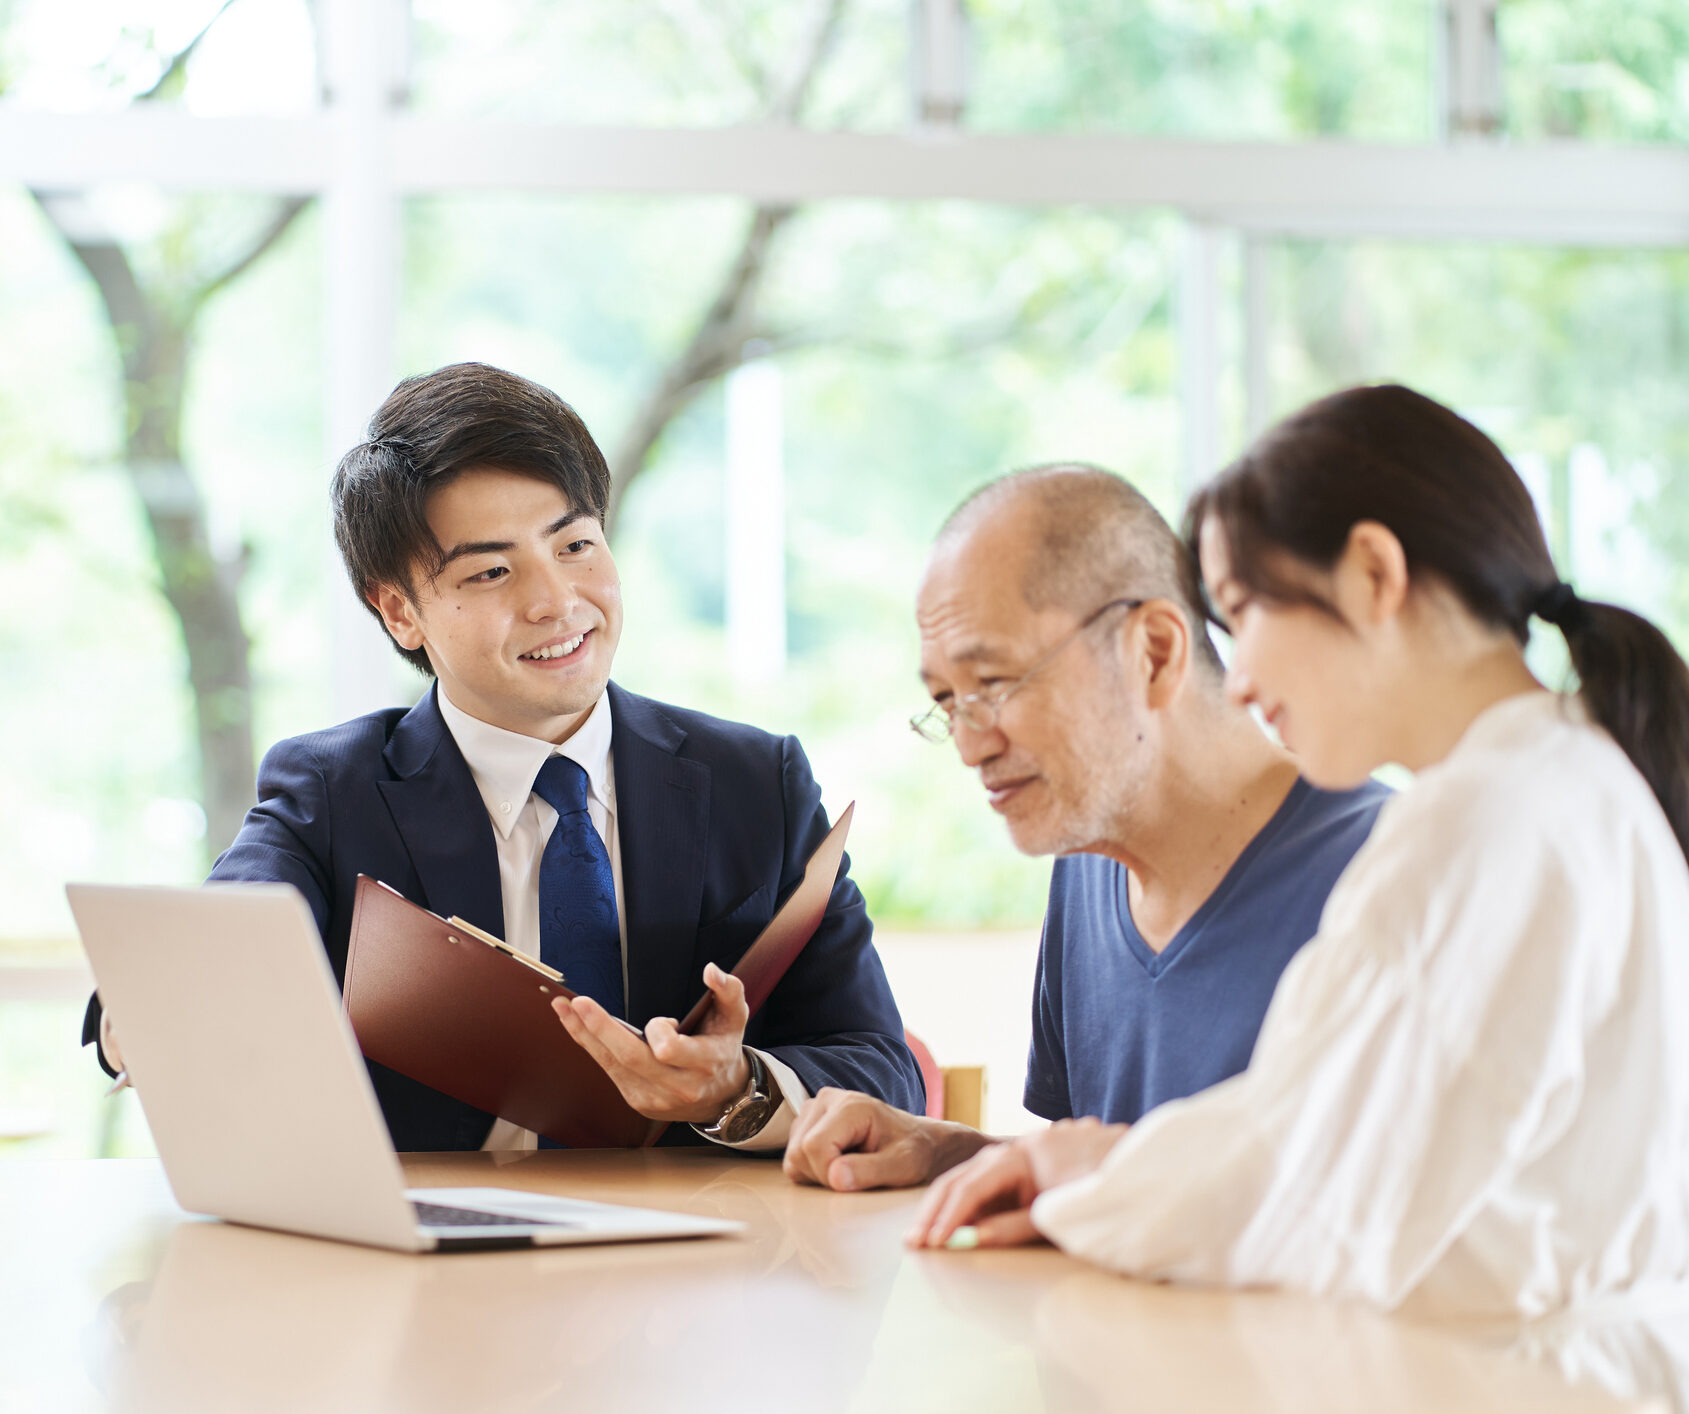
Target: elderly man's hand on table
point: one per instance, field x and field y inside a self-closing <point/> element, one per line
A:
<point x="993" y="1192"/>
<point x="664" y="1075"/>
<point x="846" y="1141"/>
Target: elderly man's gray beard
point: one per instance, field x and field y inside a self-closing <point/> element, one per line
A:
<point x="1102" y="817"/>
<point x="1114" y="783"/>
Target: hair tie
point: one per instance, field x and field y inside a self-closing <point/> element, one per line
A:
<point x="1556" y="604"/>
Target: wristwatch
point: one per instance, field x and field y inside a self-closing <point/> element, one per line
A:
<point x="755" y="1105"/>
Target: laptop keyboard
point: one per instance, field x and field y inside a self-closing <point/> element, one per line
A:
<point x="440" y="1215"/>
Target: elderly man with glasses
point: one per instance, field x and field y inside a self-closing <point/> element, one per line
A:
<point x="1065" y="646"/>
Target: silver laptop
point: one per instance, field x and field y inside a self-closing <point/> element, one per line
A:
<point x="234" y="1038"/>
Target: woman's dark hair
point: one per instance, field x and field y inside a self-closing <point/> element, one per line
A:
<point x="430" y="429"/>
<point x="1463" y="516"/>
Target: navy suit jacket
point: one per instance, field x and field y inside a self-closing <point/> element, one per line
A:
<point x="716" y="820"/>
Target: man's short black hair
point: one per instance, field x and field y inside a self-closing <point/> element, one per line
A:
<point x="430" y="429"/>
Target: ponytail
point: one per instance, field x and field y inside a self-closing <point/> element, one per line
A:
<point x="1636" y="685"/>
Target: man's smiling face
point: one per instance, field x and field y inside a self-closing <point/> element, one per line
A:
<point x="522" y="623"/>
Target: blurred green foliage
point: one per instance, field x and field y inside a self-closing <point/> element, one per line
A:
<point x="924" y="347"/>
<point x="1206" y="68"/>
<point x="1577" y="361"/>
<point x="1595" y="69"/>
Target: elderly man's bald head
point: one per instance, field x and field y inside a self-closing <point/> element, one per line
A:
<point x="1094" y="538"/>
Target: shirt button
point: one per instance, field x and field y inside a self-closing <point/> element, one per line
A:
<point x="504" y="807"/>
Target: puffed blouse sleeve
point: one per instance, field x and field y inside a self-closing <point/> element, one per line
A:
<point x="1417" y="1052"/>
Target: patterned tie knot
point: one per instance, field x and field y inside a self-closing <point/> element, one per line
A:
<point x="561" y="784"/>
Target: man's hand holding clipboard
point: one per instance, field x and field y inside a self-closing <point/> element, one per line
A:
<point x="667" y="1074"/>
<point x="690" y="1071"/>
<point x="456" y="1009"/>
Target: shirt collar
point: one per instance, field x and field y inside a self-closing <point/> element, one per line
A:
<point x="504" y="763"/>
<point x="1514" y="718"/>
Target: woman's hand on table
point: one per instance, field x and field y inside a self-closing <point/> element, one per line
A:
<point x="992" y="1193"/>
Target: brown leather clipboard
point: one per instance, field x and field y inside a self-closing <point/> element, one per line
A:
<point x="430" y="998"/>
<point x="794" y="923"/>
<point x="457" y="1010"/>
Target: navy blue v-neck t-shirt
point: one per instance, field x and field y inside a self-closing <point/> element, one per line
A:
<point x="1118" y="1028"/>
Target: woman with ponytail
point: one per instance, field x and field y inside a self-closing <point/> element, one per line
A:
<point x="1471" y="1091"/>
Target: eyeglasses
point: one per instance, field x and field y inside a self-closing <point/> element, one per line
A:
<point x="979" y="710"/>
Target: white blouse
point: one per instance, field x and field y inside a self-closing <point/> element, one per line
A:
<point x="1471" y="1091"/>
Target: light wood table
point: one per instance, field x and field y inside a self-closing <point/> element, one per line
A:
<point x="111" y="1298"/>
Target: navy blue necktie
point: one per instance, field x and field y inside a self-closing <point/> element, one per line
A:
<point x="578" y="932"/>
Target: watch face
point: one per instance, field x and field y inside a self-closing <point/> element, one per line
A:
<point x="747" y="1118"/>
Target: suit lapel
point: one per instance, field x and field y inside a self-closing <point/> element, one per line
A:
<point x="662" y="817"/>
<point x="442" y="819"/>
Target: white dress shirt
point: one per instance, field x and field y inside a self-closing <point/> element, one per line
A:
<point x="1471" y="1091"/>
<point x="504" y="765"/>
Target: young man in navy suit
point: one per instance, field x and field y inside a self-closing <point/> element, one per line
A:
<point x="471" y="524"/>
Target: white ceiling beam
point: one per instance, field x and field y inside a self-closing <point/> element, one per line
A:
<point x="1549" y="191"/>
<point x="69" y="151"/>
<point x="1562" y="193"/>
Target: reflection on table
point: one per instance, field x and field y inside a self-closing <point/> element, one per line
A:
<point x="110" y="1298"/>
